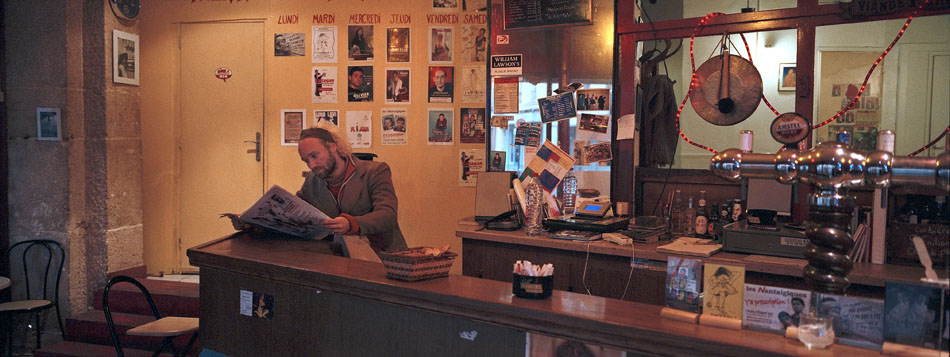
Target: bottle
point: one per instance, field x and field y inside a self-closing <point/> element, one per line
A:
<point x="713" y="225"/>
<point x="689" y="219"/>
<point x="568" y="191"/>
<point x="534" y="200"/>
<point x="676" y="214"/>
<point x="725" y="212"/>
<point x="702" y="216"/>
<point x="737" y="212"/>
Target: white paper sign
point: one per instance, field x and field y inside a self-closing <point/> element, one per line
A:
<point x="246" y="303"/>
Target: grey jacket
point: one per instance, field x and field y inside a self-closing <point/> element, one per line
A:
<point x="368" y="196"/>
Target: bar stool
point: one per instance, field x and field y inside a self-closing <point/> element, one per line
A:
<point x="166" y="327"/>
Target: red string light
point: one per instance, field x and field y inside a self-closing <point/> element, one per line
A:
<point x="692" y="83"/>
<point x="932" y="142"/>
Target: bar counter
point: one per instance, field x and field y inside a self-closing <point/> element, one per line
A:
<point x="330" y="305"/>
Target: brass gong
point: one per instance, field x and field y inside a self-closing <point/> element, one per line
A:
<point x="727" y="92"/>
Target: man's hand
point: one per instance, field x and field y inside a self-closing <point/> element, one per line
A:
<point x="337" y="225"/>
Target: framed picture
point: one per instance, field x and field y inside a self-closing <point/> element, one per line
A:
<point x="786" y="77"/>
<point x="48" y="124"/>
<point x="125" y="57"/>
<point x="293" y="121"/>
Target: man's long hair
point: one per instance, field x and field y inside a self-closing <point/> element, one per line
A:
<point x="327" y="133"/>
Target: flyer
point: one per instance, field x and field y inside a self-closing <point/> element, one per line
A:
<point x="332" y="116"/>
<point x="324" y="45"/>
<point x="471" y="162"/>
<point x="506" y="95"/>
<point x="723" y="296"/>
<point x="289" y="44"/>
<point x="397" y="45"/>
<point x="683" y="284"/>
<point x="359" y="128"/>
<point x="473" y="84"/>
<point x="550" y="164"/>
<point x="501" y="121"/>
<point x="323" y="89"/>
<point x="292" y="123"/>
<point x="360" y="42"/>
<point x="440" y="45"/>
<point x="441" y="84"/>
<point x="557" y="107"/>
<point x="394" y="126"/>
<point x="858" y="321"/>
<point x="773" y="309"/>
<point x="359" y="84"/>
<point x="474" y="42"/>
<point x="441" y="122"/>
<point x="497" y="161"/>
<point x="472" y="126"/>
<point x="397" y="85"/>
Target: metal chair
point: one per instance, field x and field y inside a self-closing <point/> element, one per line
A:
<point x="167" y="327"/>
<point x="40" y="295"/>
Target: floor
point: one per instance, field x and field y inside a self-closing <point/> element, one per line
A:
<point x="185" y="278"/>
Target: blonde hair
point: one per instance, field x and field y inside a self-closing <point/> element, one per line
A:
<point x="328" y="133"/>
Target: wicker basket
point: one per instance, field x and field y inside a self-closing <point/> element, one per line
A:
<point x="409" y="265"/>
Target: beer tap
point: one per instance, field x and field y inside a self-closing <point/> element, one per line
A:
<point x="832" y="168"/>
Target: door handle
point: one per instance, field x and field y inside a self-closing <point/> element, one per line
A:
<point x="257" y="146"/>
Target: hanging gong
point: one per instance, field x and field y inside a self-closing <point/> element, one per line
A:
<point x="726" y="92"/>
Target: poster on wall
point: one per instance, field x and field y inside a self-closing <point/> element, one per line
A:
<point x="397" y="45"/>
<point x="48" y="124"/>
<point x="323" y="89"/>
<point x="445" y="5"/>
<point x="550" y="164"/>
<point x="471" y="162"/>
<point x="473" y="84"/>
<point x="441" y="84"/>
<point x="441" y="122"/>
<point x="324" y="45"/>
<point x="360" y="42"/>
<point x="289" y="44"/>
<point x="359" y="128"/>
<point x="472" y="126"/>
<point x="497" y="161"/>
<point x="359" y="84"/>
<point x="440" y="45"/>
<point x="397" y="85"/>
<point x="125" y="57"/>
<point x="474" y="42"/>
<point x="332" y="116"/>
<point x="292" y="123"/>
<point x="506" y="95"/>
<point x="394" y="126"/>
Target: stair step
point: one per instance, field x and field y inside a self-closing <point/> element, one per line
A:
<point x="172" y="298"/>
<point x="91" y="327"/>
<point x="79" y="349"/>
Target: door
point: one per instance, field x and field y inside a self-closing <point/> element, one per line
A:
<point x="220" y="167"/>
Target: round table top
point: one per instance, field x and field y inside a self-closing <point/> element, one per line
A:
<point x="4" y="282"/>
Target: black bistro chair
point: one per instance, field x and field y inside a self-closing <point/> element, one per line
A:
<point x="41" y="292"/>
<point x="166" y="327"/>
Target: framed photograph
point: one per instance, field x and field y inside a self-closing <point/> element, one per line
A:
<point x="48" y="124"/>
<point x="786" y="77"/>
<point x="125" y="56"/>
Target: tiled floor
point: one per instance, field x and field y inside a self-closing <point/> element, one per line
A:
<point x="185" y="278"/>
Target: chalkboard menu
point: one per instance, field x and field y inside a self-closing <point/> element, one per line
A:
<point x="545" y="13"/>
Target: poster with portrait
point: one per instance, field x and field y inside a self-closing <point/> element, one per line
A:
<point x="324" y="49"/>
<point x="772" y="309"/>
<point x="441" y="84"/>
<point x="857" y="321"/>
<point x="359" y="42"/>
<point x="473" y="84"/>
<point x="289" y="44"/>
<point x="323" y="89"/>
<point x="440" y="45"/>
<point x="332" y="116"/>
<point x="474" y="42"/>
<point x="49" y="124"/>
<point x="471" y="162"/>
<point x="397" y="85"/>
<point x="912" y="314"/>
<point x="359" y="80"/>
<point x="445" y="5"/>
<point x="441" y="121"/>
<point x="359" y="128"/>
<point x="497" y="161"/>
<point x="125" y="57"/>
<point x="593" y="99"/>
<point x="393" y="122"/>
<point x="292" y="122"/>
<point x="397" y="45"/>
<point x="472" y="125"/>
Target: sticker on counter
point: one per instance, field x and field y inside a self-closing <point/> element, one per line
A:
<point x="257" y="305"/>
<point x="794" y="242"/>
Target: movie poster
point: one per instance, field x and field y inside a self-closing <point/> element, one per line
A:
<point x="332" y="116"/>
<point x="394" y="126"/>
<point x="323" y="89"/>
<point x="441" y="122"/>
<point x="472" y="125"/>
<point x="397" y="85"/>
<point x="359" y="128"/>
<point x="324" y="45"/>
<point x="441" y="84"/>
<point x="397" y="45"/>
<point x="471" y="162"/>
<point x="773" y="309"/>
<point x="359" y="43"/>
<point x="473" y="84"/>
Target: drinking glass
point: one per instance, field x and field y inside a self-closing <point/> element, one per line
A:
<point x="816" y="331"/>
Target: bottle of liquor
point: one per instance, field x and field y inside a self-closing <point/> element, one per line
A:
<point x="702" y="216"/>
<point x="689" y="219"/>
<point x="534" y="204"/>
<point x="713" y="226"/>
<point x="676" y="214"/>
<point x="568" y="191"/>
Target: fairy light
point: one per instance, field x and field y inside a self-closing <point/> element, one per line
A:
<point x="694" y="81"/>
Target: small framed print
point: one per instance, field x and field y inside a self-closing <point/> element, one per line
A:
<point x="125" y="57"/>
<point x="786" y="77"/>
<point x="48" y="124"/>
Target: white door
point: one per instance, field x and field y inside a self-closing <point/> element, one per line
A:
<point x="221" y="125"/>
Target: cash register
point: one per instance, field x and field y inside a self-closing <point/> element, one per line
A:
<point x="588" y="216"/>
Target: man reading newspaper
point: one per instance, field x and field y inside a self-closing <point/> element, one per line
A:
<point x="348" y="196"/>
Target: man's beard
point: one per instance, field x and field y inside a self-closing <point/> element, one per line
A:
<point x="325" y="172"/>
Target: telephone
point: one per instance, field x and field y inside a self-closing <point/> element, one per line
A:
<point x="504" y="222"/>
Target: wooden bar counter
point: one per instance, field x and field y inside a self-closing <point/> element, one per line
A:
<point x="329" y="305"/>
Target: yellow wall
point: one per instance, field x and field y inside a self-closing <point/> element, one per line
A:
<point x="425" y="177"/>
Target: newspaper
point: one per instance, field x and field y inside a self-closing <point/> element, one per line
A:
<point x="281" y="211"/>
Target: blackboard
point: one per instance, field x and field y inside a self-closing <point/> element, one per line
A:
<point x="545" y="13"/>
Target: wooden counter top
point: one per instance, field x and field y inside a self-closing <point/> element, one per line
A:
<point x="609" y="322"/>
<point x="863" y="273"/>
